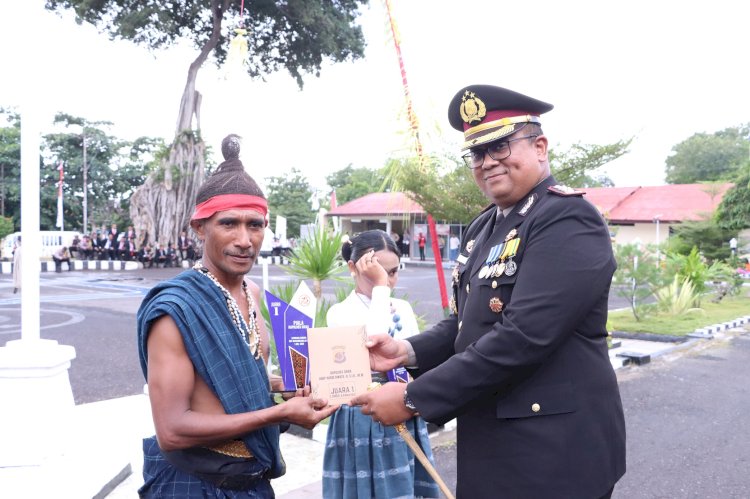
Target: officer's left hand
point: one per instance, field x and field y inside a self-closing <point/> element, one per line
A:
<point x="385" y="404"/>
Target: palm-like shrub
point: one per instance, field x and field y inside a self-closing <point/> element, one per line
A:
<point x="694" y="268"/>
<point x="677" y="298"/>
<point x="317" y="258"/>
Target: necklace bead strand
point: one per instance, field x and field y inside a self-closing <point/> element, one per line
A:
<point x="248" y="331"/>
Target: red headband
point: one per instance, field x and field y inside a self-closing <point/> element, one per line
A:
<point x="230" y="202"/>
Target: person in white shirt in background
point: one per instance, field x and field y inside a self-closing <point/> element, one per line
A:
<point x="17" y="265"/>
<point x="364" y="458"/>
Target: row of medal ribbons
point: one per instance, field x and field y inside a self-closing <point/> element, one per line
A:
<point x="500" y="260"/>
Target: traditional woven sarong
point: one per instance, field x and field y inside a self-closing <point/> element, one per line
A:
<point x="367" y="460"/>
<point x="162" y="480"/>
<point x="220" y="357"/>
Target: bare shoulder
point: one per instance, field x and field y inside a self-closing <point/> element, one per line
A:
<point x="164" y="338"/>
<point x="253" y="288"/>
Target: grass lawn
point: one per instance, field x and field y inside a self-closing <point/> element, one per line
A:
<point x="710" y="313"/>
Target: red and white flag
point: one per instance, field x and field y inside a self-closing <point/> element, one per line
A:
<point x="60" y="223"/>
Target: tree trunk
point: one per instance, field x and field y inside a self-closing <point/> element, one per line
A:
<point x="161" y="209"/>
<point x="162" y="206"/>
<point x="317" y="288"/>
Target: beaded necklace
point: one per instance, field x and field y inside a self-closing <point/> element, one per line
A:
<point x="248" y="332"/>
<point x="396" y="318"/>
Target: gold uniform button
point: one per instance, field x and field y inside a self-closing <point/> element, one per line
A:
<point x="494" y="284"/>
<point x="536" y="407"/>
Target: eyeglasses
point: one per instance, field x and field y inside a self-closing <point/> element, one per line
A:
<point x="498" y="151"/>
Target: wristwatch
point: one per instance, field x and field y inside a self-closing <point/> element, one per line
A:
<point x="408" y="402"/>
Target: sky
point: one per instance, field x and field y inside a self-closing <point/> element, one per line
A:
<point x="656" y="71"/>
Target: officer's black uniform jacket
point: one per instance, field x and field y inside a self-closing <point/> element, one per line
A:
<point x="535" y="396"/>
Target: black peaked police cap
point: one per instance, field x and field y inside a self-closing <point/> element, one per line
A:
<point x="486" y="113"/>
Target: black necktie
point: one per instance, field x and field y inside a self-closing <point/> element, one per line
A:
<point x="499" y="217"/>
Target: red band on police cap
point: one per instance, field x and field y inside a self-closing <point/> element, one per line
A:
<point x="230" y="202"/>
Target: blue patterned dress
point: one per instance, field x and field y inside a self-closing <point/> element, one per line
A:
<point x="364" y="459"/>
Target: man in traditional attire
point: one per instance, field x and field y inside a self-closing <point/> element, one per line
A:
<point x="203" y="349"/>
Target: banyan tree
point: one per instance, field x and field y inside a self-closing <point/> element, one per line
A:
<point x="295" y="35"/>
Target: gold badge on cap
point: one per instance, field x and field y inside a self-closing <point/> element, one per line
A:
<point x="496" y="305"/>
<point x="472" y="108"/>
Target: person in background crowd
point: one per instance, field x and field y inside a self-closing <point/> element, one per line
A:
<point x="108" y="250"/>
<point x="74" y="247"/>
<point x="61" y="255"/>
<point x="17" y="265"/>
<point x="421" y="242"/>
<point x="186" y="248"/>
<point x="171" y="255"/>
<point x="146" y="256"/>
<point x="454" y="244"/>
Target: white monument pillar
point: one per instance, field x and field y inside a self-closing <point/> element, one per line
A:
<point x="35" y="390"/>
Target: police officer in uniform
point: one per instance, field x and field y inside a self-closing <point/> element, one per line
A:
<point x="522" y="361"/>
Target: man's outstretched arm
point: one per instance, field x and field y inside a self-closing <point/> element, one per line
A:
<point x="186" y="413"/>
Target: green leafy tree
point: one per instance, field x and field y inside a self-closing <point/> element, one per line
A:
<point x="289" y="196"/>
<point x="636" y="277"/>
<point x="733" y="213"/>
<point x="296" y="35"/>
<point x="709" y="157"/>
<point x="445" y="187"/>
<point x="67" y="147"/>
<point x="135" y="162"/>
<point x="352" y="183"/>
<point x="10" y="168"/>
<point x="6" y="227"/>
<point x="576" y="166"/>
<point x="711" y="240"/>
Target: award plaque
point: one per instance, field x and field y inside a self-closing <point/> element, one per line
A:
<point x="290" y="322"/>
<point x="339" y="363"/>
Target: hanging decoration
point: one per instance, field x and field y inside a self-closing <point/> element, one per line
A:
<point x="237" y="54"/>
<point x="414" y="129"/>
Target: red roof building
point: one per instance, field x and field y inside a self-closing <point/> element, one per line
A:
<point x="646" y="213"/>
<point x="378" y="203"/>
<point x="642" y="214"/>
